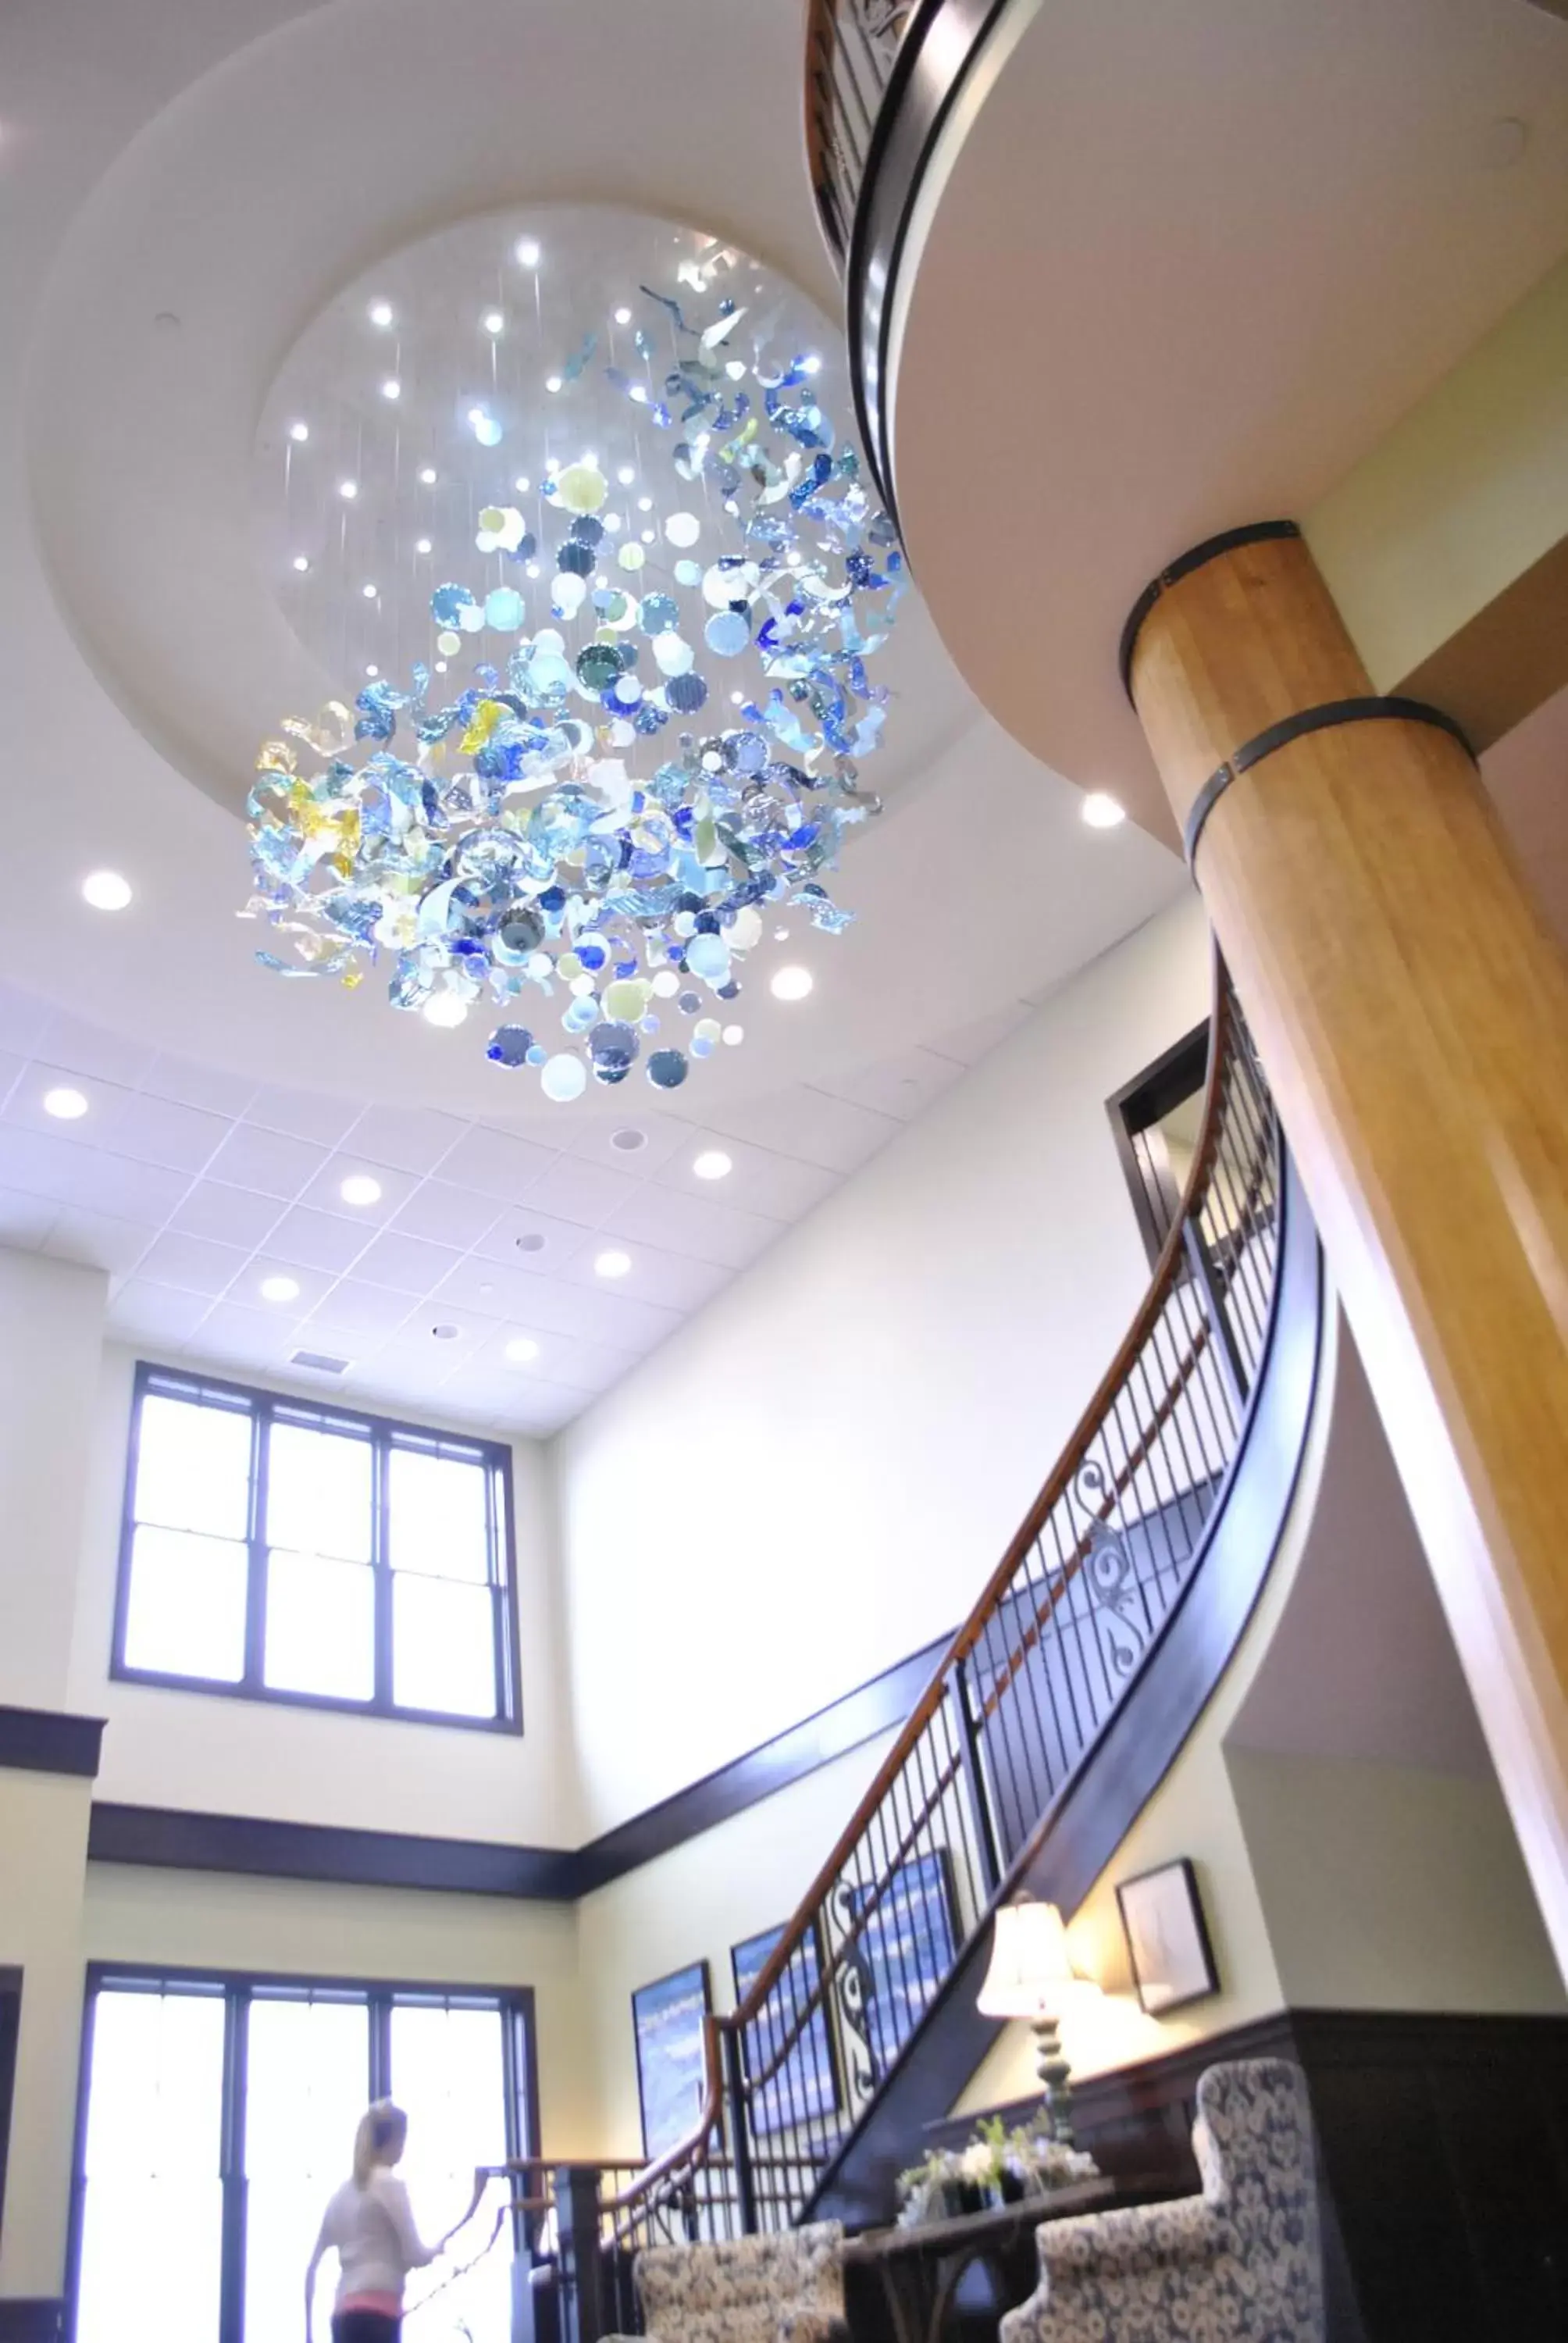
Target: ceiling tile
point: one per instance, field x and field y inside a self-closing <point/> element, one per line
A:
<point x="601" y="1313"/>
<point x="696" y="1226"/>
<point x="779" y="1187"/>
<point x="407" y="1265"/>
<point x="160" y="1315"/>
<point x="194" y="1264"/>
<point x="575" y="1188"/>
<point x="24" y="1105"/>
<point x="809" y="1124"/>
<point x="446" y="1214"/>
<point x="11" y="1067"/>
<point x="251" y="1337"/>
<point x="971" y="1043"/>
<point x="536" y="1408"/>
<point x="371" y="1311"/>
<point x="23" y="1018"/>
<point x="83" y="1048"/>
<point x="190" y="1084"/>
<point x="316" y="1115"/>
<point x="228" y="1215"/>
<point x="561" y="1240"/>
<point x="98" y="1237"/>
<point x="320" y="1239"/>
<point x="494" y="1288"/>
<point x="416" y="1350"/>
<point x="157" y="1130"/>
<point x="563" y="1358"/>
<point x="25" y="1220"/>
<point x="900" y="1086"/>
<point x="247" y="1291"/>
<point x="325" y="1192"/>
<point x="267" y="1161"/>
<point x="413" y="1137"/>
<point x="667" y="1280"/>
<point x="662" y="1135"/>
<point x="45" y="1166"/>
<point x="497" y="1163"/>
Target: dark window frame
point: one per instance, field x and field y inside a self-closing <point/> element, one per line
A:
<point x="385" y="1433"/>
<point x="10" y="2039"/>
<point x="1178" y="1073"/>
<point x="238" y="1988"/>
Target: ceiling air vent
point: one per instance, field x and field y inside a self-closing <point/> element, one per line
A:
<point x="320" y="1362"/>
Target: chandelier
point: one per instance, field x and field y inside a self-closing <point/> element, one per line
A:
<point x="626" y="749"/>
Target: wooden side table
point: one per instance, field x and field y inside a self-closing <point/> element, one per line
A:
<point x="913" y="2274"/>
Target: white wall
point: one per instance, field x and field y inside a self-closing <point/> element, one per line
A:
<point x="51" y="1326"/>
<point x="220" y="1756"/>
<point x="815" y="1476"/>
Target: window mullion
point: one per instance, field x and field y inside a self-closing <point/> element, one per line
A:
<point x="232" y="2164"/>
<point x="381" y="1561"/>
<point x="255" y="1576"/>
<point x="380" y="2046"/>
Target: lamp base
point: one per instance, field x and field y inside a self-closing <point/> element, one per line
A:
<point x="1054" y="2073"/>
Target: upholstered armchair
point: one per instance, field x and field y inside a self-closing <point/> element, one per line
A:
<point x="783" y="2288"/>
<point x="1241" y="2261"/>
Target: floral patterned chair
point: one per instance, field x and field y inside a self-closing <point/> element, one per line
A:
<point x="784" y="2289"/>
<point x="1240" y="2262"/>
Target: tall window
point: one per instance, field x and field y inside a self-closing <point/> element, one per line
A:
<point x="275" y="1549"/>
<point x="220" y="2117"/>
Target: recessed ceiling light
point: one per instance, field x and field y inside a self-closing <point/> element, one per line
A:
<point x="445" y="1009"/>
<point x="737" y="699"/>
<point x="492" y="321"/>
<point x="533" y="569"/>
<point x="359" y="1188"/>
<point x="626" y="474"/>
<point x="733" y="1036"/>
<point x="529" y="252"/>
<point x="279" y="1289"/>
<point x="552" y="382"/>
<point x="370" y="593"/>
<point x="520" y="1350"/>
<point x="422" y="545"/>
<point x="612" y="1264"/>
<point x="445" y="1331"/>
<point x="629" y="1140"/>
<point x="713" y="1164"/>
<point x="348" y="489"/>
<point x="391" y="388"/>
<point x="372" y="670"/>
<point x="381" y="313"/>
<point x="105" y="890"/>
<point x="521" y="484"/>
<point x="647" y="537"/>
<point x="429" y="476"/>
<point x="812" y="365"/>
<point x="645" y="504"/>
<point x="299" y="432"/>
<point x="440" y="667"/>
<point x="302" y="561"/>
<point x="623" y="317"/>
<point x="66" y="1105"/>
<point x="530" y="1241"/>
<point x="791" y="984"/>
<point x="1101" y="811"/>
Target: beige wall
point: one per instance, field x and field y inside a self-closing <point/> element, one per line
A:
<point x="43" y="1855"/>
<point x="815" y="1476"/>
<point x="1393" y="1888"/>
<point x="51" y="1327"/>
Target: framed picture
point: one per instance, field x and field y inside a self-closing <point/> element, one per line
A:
<point x="800" y="2080"/>
<point x="905" y="1950"/>
<point x="667" y="2023"/>
<point x="1167" y="1938"/>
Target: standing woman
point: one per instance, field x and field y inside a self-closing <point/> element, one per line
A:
<point x="370" y="2226"/>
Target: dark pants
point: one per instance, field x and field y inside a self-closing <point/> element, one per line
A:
<point x="364" y="2327"/>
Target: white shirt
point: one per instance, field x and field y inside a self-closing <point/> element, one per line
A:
<point x="372" y="2230"/>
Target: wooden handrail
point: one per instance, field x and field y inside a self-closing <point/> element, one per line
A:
<point x="1227" y="1043"/>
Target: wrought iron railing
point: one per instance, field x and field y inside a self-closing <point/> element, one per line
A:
<point x="852" y="47"/>
<point x="1013" y="1713"/>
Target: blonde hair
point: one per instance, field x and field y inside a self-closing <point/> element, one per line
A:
<point x="382" y="2129"/>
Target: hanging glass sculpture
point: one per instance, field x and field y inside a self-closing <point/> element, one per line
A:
<point x="612" y="767"/>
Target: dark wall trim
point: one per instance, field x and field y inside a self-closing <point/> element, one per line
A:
<point x="260" y="1848"/>
<point x="48" y="1741"/>
<point x="10" y="2031"/>
<point x="31" y="2319"/>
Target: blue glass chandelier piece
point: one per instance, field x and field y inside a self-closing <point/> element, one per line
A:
<point x="579" y="813"/>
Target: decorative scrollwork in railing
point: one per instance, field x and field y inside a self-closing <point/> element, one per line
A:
<point x="851" y="48"/>
<point x="1055" y="1645"/>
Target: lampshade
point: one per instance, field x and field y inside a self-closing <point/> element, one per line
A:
<point x="1030" y="1966"/>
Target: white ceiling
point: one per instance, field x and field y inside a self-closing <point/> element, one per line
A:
<point x="182" y="191"/>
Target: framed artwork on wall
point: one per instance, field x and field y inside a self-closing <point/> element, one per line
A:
<point x="907" y="1947"/>
<point x="797" y="2071"/>
<point x="667" y="2024"/>
<point x="1167" y="1937"/>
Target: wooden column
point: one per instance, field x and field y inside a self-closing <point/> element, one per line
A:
<point x="1411" y="1011"/>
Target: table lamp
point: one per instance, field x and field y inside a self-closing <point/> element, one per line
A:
<point x="1030" y="1976"/>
